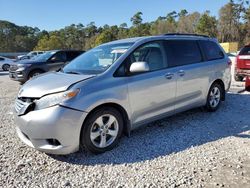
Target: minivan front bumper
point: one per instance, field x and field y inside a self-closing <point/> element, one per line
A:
<point x="54" y="130"/>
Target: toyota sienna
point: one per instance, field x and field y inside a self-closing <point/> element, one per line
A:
<point x="118" y="86"/>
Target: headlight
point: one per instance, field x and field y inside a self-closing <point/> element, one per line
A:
<point x="54" y="99"/>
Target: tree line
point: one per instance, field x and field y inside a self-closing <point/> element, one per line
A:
<point x="232" y="25"/>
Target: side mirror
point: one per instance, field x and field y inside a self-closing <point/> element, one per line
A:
<point x="247" y="87"/>
<point x="54" y="59"/>
<point x="138" y="67"/>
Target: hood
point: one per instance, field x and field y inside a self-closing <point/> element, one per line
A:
<point x="29" y="61"/>
<point x="48" y="83"/>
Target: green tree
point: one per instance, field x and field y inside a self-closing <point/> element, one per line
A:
<point x="188" y="23"/>
<point x="50" y="43"/>
<point x="166" y="24"/>
<point x="207" y="25"/>
<point x="230" y="26"/>
<point x="137" y="19"/>
<point x="183" y="13"/>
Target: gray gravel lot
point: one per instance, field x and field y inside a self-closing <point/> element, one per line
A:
<point x="191" y="149"/>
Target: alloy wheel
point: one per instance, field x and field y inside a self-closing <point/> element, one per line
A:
<point x="104" y="131"/>
<point x="215" y="96"/>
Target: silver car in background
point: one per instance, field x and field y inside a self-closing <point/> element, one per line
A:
<point x="118" y="86"/>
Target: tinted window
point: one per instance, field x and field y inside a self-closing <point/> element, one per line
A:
<point x="182" y="52"/>
<point x="211" y="50"/>
<point x="72" y="55"/>
<point x="59" y="57"/>
<point x="245" y="51"/>
<point x="151" y="53"/>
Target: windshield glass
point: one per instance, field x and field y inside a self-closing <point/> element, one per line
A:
<point x="44" y="57"/>
<point x="98" y="59"/>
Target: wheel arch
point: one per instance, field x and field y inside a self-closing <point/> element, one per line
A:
<point x="119" y="108"/>
<point x="34" y="70"/>
<point x="221" y="83"/>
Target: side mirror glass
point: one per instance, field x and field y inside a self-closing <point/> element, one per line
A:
<point x="139" y="67"/>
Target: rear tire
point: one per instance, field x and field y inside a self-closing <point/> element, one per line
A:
<point x="6" y="67"/>
<point x="214" y="97"/>
<point x="102" y="130"/>
<point x="238" y="78"/>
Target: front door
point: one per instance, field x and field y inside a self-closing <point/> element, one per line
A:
<point x="57" y="61"/>
<point x="151" y="94"/>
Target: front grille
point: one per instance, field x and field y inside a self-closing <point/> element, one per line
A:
<point x="19" y="104"/>
<point x="13" y="67"/>
<point x="24" y="105"/>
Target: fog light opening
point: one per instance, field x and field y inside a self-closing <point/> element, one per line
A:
<point x="54" y="142"/>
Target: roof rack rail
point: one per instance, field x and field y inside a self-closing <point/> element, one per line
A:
<point x="186" y="34"/>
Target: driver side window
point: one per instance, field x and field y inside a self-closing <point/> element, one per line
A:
<point x="58" y="57"/>
<point x="151" y="53"/>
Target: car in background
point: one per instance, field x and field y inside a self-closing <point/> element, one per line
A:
<point x="5" y="63"/>
<point x="242" y="68"/>
<point x="49" y="61"/>
<point x="29" y="55"/>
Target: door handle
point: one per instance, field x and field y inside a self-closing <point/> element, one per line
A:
<point x="181" y="73"/>
<point x="169" y="76"/>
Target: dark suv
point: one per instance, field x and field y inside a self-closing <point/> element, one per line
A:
<point x="49" y="61"/>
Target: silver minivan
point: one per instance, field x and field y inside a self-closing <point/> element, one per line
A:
<point x="118" y="86"/>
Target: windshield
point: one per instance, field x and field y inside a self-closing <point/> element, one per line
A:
<point x="44" y="57"/>
<point x="98" y="59"/>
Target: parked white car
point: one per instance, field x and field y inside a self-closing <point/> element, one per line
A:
<point x="5" y="63"/>
<point x="29" y="55"/>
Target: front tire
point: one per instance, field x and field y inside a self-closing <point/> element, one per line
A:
<point x="214" y="97"/>
<point x="102" y="130"/>
<point x="6" y="67"/>
<point x="35" y="73"/>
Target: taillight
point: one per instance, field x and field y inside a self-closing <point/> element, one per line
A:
<point x="237" y="61"/>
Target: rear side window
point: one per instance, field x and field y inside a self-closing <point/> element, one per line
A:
<point x="245" y="51"/>
<point x="211" y="50"/>
<point x="182" y="52"/>
<point x="1" y="59"/>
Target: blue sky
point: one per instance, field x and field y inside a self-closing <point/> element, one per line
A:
<point x="53" y="14"/>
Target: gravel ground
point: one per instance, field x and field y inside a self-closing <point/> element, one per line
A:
<point x="192" y="149"/>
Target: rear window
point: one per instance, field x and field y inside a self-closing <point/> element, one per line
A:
<point x="182" y="52"/>
<point x="245" y="51"/>
<point x="211" y="50"/>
